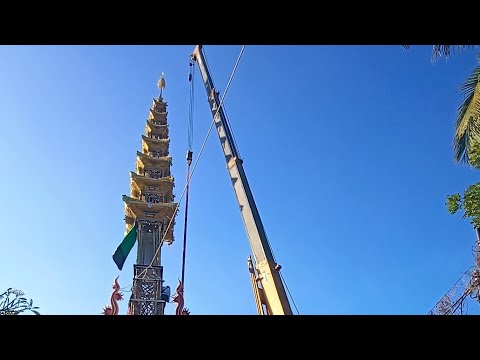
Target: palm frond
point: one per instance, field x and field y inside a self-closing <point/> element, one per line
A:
<point x="446" y="50"/>
<point x="467" y="125"/>
<point x="459" y="146"/>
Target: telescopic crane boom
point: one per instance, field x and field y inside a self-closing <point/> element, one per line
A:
<point x="268" y="289"/>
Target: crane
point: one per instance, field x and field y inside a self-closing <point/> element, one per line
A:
<point x="269" y="291"/>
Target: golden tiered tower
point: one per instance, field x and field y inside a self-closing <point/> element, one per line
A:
<point x="151" y="206"/>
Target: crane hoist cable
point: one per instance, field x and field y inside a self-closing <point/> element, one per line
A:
<point x="189" y="162"/>
<point x="191" y="107"/>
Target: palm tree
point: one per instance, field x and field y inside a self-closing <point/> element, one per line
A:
<point x="467" y="126"/>
<point x="466" y="142"/>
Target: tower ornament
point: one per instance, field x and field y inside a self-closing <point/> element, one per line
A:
<point x="116" y="296"/>
<point x="161" y="83"/>
<point x="178" y="298"/>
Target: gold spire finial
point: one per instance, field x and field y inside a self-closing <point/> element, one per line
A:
<point x="161" y="83"/>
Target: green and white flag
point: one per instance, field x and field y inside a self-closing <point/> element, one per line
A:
<point x="125" y="247"/>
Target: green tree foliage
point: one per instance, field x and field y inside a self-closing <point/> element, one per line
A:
<point x="469" y="202"/>
<point x="12" y="302"/>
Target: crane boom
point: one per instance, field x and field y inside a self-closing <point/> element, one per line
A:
<point x="268" y="286"/>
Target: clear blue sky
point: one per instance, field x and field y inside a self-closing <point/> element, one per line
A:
<point x="347" y="150"/>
